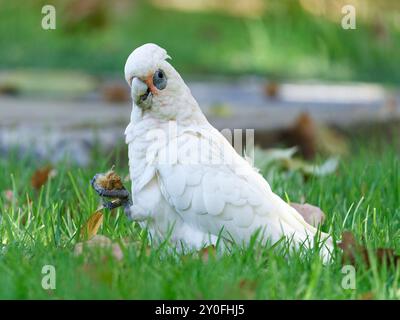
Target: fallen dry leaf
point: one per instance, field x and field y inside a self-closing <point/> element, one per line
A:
<point x="248" y="288"/>
<point x="331" y="141"/>
<point x="285" y="159"/>
<point x="92" y="225"/>
<point x="303" y="135"/>
<point x="271" y="89"/>
<point x="312" y="214"/>
<point x="99" y="241"/>
<point x="267" y="156"/>
<point x="207" y="252"/>
<point x="8" y="89"/>
<point x="41" y="176"/>
<point x="367" y="296"/>
<point x="313" y="138"/>
<point x="307" y="169"/>
<point x="116" y="93"/>
<point x="352" y="250"/>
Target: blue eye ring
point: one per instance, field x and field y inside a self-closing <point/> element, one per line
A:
<point x="160" y="79"/>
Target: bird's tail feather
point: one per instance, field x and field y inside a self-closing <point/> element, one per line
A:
<point x="294" y="226"/>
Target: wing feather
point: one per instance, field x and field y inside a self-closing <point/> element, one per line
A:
<point x="230" y="196"/>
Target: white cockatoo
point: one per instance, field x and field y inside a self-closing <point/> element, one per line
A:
<point x="188" y="182"/>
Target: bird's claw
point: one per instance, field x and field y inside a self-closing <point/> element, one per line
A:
<point x="111" y="204"/>
<point x="121" y="196"/>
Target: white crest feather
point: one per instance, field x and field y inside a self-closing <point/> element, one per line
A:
<point x="143" y="60"/>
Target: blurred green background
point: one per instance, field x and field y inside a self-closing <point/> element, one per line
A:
<point x="287" y="39"/>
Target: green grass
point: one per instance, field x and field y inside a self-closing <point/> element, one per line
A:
<point x="286" y="42"/>
<point x="41" y="228"/>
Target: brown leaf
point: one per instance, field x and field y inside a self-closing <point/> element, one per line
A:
<point x="367" y="296"/>
<point x="285" y="159"/>
<point x="352" y="250"/>
<point x="99" y="241"/>
<point x="303" y="134"/>
<point x="116" y="93"/>
<point x="248" y="288"/>
<point x="271" y="89"/>
<point x="388" y="256"/>
<point x="8" y="89"/>
<point x="92" y="225"/>
<point x="311" y="214"/>
<point x="313" y="138"/>
<point x="40" y="176"/>
<point x="331" y="141"/>
<point x="207" y="252"/>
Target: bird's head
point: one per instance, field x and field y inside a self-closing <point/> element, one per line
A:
<point x="156" y="87"/>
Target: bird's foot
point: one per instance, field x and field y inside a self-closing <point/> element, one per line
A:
<point x="120" y="196"/>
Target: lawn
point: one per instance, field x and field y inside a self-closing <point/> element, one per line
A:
<point x="41" y="228"/>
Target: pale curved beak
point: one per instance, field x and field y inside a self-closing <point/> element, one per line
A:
<point x="140" y="91"/>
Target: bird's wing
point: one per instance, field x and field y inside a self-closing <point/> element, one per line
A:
<point x="225" y="193"/>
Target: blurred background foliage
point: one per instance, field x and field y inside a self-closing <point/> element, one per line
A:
<point x="288" y="39"/>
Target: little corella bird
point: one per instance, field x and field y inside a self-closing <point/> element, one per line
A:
<point x="188" y="183"/>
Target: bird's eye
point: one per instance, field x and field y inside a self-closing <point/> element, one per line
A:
<point x="160" y="79"/>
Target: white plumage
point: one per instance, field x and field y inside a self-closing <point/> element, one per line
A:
<point x="188" y="182"/>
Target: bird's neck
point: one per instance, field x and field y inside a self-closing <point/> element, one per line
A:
<point x="194" y="117"/>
